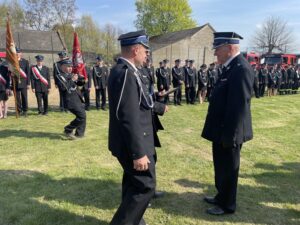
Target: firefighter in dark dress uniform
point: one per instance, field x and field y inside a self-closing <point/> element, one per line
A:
<point x="202" y="83"/>
<point x="263" y="79"/>
<point x="177" y="81"/>
<point x="150" y="70"/>
<point x="100" y="75"/>
<point x="164" y="79"/>
<point x="40" y="84"/>
<point x="191" y="83"/>
<point x="56" y="71"/>
<point x="23" y="85"/>
<point x="74" y="101"/>
<point x="86" y="89"/>
<point x="228" y="122"/>
<point x="256" y="83"/>
<point x="132" y="136"/>
<point x="212" y="76"/>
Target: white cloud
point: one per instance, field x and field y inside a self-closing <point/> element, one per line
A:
<point x="258" y="26"/>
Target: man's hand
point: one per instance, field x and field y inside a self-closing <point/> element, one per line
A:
<point x="97" y="87"/>
<point x="75" y="76"/>
<point x="161" y="92"/>
<point x="141" y="164"/>
<point x="33" y="90"/>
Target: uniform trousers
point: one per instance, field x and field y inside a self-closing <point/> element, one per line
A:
<point x="22" y="102"/>
<point x="190" y="95"/>
<point x="62" y="101"/>
<point x="262" y="88"/>
<point x="79" y="123"/>
<point x="177" y="96"/>
<point x="226" y="167"/>
<point x="102" y="92"/>
<point x="86" y="95"/>
<point x="42" y="96"/>
<point x="138" y="188"/>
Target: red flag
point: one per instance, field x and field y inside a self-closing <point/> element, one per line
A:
<point x="11" y="54"/>
<point x="78" y="64"/>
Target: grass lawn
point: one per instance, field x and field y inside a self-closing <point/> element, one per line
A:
<point x="45" y="180"/>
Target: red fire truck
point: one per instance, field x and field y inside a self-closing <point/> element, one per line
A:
<point x="252" y="57"/>
<point x="279" y="58"/>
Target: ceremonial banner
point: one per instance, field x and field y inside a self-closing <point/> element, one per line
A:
<point x="12" y="60"/>
<point x="11" y="54"/>
<point x="78" y="64"/>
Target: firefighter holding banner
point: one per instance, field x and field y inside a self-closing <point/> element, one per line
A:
<point x="40" y="84"/>
<point x="23" y="85"/>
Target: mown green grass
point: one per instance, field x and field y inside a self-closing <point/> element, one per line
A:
<point x="45" y="180"/>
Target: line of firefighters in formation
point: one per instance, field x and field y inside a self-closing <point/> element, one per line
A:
<point x="198" y="84"/>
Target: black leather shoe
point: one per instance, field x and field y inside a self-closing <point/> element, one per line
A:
<point x="159" y="194"/>
<point x="210" y="200"/>
<point x="217" y="211"/>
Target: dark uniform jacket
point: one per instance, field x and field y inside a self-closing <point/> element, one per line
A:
<point x="163" y="78"/>
<point x="202" y="79"/>
<point x="177" y="75"/>
<point x="263" y="76"/>
<point x="212" y="77"/>
<point x="100" y="75"/>
<point x="150" y="71"/>
<point x="131" y="130"/>
<point x="228" y="119"/>
<point x="69" y="87"/>
<point x="24" y="82"/>
<point x="284" y="76"/>
<point x="36" y="83"/>
<point x="291" y="74"/>
<point x="191" y="77"/>
<point x="158" y="108"/>
<point x="56" y="72"/>
<point x="5" y="74"/>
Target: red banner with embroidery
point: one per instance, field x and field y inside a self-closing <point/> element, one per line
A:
<point x="39" y="75"/>
<point x="78" y="64"/>
<point x="2" y="80"/>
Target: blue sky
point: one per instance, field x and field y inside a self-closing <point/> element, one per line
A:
<point x="243" y="17"/>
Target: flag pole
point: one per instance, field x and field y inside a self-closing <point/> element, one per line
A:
<point x="15" y="95"/>
<point x="12" y="60"/>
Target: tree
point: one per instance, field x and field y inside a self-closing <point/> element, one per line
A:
<point x="16" y="14"/>
<point x="65" y="14"/>
<point x="159" y="17"/>
<point x="39" y="14"/>
<point x="89" y="34"/>
<point x="273" y="35"/>
<point x="110" y="35"/>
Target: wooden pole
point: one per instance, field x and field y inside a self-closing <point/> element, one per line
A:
<point x="15" y="94"/>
